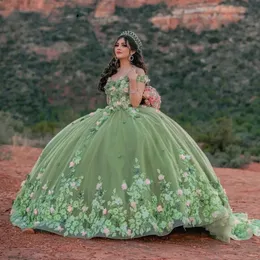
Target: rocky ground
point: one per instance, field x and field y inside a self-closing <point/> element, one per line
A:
<point x="242" y="186"/>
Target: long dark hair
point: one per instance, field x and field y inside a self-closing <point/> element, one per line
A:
<point x="114" y="64"/>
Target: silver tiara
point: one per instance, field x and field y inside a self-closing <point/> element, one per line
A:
<point x="134" y="37"/>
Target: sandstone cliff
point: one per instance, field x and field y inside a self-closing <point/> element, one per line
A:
<point x="197" y="15"/>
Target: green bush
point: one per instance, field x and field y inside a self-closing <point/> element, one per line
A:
<point x="231" y="157"/>
<point x="9" y="127"/>
<point x="44" y="128"/>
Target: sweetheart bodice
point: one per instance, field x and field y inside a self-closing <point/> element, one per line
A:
<point x="117" y="91"/>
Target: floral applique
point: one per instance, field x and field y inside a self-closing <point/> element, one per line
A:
<point x="142" y="78"/>
<point x="196" y="201"/>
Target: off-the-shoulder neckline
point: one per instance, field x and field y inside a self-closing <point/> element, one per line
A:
<point x="115" y="80"/>
<point x="120" y="78"/>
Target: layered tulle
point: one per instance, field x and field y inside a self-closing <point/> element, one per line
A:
<point x="121" y="173"/>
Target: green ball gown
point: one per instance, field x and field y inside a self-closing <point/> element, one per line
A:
<point x="122" y="172"/>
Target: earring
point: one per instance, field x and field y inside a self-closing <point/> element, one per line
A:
<point x="131" y="58"/>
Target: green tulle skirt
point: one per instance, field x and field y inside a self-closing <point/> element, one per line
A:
<point x="123" y="174"/>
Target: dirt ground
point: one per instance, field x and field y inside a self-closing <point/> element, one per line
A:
<point x="242" y="187"/>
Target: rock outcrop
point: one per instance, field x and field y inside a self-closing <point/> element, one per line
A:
<point x="196" y="15"/>
<point x="199" y="18"/>
<point x="43" y="6"/>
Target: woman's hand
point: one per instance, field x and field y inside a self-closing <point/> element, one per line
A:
<point x="132" y="75"/>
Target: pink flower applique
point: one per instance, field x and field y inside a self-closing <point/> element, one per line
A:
<point x="129" y="232"/>
<point x="70" y="208"/>
<point x="83" y="233"/>
<point x="133" y="205"/>
<point x="215" y="214"/>
<point x="188" y="203"/>
<point x="185" y="174"/>
<point x="71" y="164"/>
<point x="179" y="192"/>
<point x="99" y="186"/>
<point x="60" y="228"/>
<point x="161" y="177"/>
<point x="106" y="231"/>
<point x="104" y="211"/>
<point x="73" y="185"/>
<point x="182" y="156"/>
<point x="35" y="212"/>
<point x="192" y="219"/>
<point x="159" y="208"/>
<point x="84" y="208"/>
<point x="124" y="186"/>
<point x="147" y="182"/>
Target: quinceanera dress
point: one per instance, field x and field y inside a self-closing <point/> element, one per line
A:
<point x="123" y="172"/>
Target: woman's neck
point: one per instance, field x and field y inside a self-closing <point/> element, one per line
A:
<point x="125" y="64"/>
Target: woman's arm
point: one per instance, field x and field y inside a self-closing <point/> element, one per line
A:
<point x="136" y="86"/>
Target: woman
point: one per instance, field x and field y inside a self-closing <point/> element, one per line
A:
<point x="127" y="170"/>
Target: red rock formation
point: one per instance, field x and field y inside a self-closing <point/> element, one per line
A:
<point x="105" y="8"/>
<point x="137" y="4"/>
<point x="200" y="18"/>
<point x="185" y="3"/>
<point x="44" y="6"/>
<point x="195" y="15"/>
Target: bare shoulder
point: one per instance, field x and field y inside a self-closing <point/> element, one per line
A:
<point x="139" y="71"/>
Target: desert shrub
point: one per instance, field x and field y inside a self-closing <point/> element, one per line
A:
<point x="9" y="126"/>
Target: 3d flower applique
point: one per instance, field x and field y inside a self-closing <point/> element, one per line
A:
<point x="84" y="209"/>
<point x="83" y="233"/>
<point x="69" y="208"/>
<point x="106" y="231"/>
<point x="182" y="156"/>
<point x="133" y="204"/>
<point x="159" y="208"/>
<point x="179" y="192"/>
<point x="99" y="186"/>
<point x="60" y="228"/>
<point x="147" y="182"/>
<point x="124" y="186"/>
<point x="72" y="164"/>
